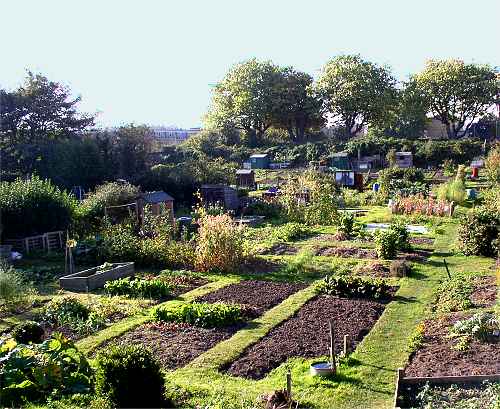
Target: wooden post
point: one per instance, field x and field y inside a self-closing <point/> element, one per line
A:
<point x="289" y="386"/>
<point x="400" y="374"/>
<point x="332" y="349"/>
<point x="347" y="346"/>
<point x="447" y="269"/>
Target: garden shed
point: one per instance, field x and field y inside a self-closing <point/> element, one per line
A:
<point x="158" y="201"/>
<point x="221" y="194"/>
<point x="245" y="178"/>
<point x="404" y="159"/>
<point x="340" y="160"/>
<point x="259" y="161"/>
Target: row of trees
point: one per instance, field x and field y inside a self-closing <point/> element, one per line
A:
<point x="352" y="93"/>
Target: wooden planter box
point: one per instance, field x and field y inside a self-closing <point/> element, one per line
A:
<point x="88" y="280"/>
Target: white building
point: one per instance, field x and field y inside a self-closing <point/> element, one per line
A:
<point x="172" y="136"/>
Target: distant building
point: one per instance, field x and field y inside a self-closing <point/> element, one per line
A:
<point x="404" y="159"/>
<point x="340" y="160"/>
<point x="159" y="202"/>
<point x="172" y="136"/>
<point x="259" y="161"/>
<point x="220" y="194"/>
<point x="245" y="178"/>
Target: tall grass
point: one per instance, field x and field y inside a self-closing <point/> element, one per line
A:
<point x="13" y="288"/>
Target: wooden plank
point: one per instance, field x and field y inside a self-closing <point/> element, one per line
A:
<point x="450" y="379"/>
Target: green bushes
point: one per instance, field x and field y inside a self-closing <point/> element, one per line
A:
<point x="402" y="181"/>
<point x="478" y="232"/>
<point x="454" y="294"/>
<point x="200" y="314"/>
<point x="154" y="288"/>
<point x="12" y="284"/>
<point x="130" y="377"/>
<point x="354" y="287"/>
<point x="346" y="224"/>
<point x="34" y="206"/>
<point x="35" y="372"/>
<point x="389" y="241"/>
<point x="289" y="232"/>
<point x="492" y="165"/>
<point x="28" y="331"/>
<point x="219" y="244"/>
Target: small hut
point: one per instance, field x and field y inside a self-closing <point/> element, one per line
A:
<point x="158" y="202"/>
<point x="404" y="159"/>
<point x="259" y="161"/>
<point x="245" y="178"/>
<point x="220" y="194"/>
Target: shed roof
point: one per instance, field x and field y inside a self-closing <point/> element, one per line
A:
<point x="259" y="155"/>
<point x="157" y="197"/>
<point x="244" y="172"/>
<point x="340" y="155"/>
<point x="404" y="153"/>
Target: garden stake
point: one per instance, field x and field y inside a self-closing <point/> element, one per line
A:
<point x="289" y="387"/>
<point x="447" y="269"/>
<point x="346" y="345"/>
<point x="332" y="348"/>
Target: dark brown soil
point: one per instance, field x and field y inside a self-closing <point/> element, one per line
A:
<point x="259" y="265"/>
<point x="415" y="255"/>
<point x="257" y="296"/>
<point x="485" y="291"/>
<point x="374" y="269"/>
<point x="421" y="240"/>
<point x="306" y="334"/>
<point x="281" y="249"/>
<point x="175" y="345"/>
<point x="354" y="252"/>
<point x="436" y="357"/>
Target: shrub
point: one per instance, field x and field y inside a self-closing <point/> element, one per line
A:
<point x="34" y="206"/>
<point x="492" y="165"/>
<point x="386" y="242"/>
<point x="480" y="326"/>
<point x="289" y="232"/>
<point x="155" y="288"/>
<point x="454" y="294"/>
<point x="403" y="181"/>
<point x="491" y="199"/>
<point x="403" y="236"/>
<point x="354" y="287"/>
<point x="261" y="208"/>
<point x="219" y="244"/>
<point x="35" y="372"/>
<point x="399" y="268"/>
<point x="299" y="263"/>
<point x="12" y="284"/>
<point x="129" y="376"/>
<point x="453" y="191"/>
<point x="478" y="231"/>
<point x="346" y="223"/>
<point x="28" y="331"/>
<point x="416" y="338"/>
<point x="200" y="314"/>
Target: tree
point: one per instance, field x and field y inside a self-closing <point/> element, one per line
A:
<point x="457" y="93"/>
<point x="355" y="92"/>
<point x="246" y="99"/>
<point x="298" y="109"/>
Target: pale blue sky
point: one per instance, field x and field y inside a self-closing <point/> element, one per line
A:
<point x="154" y="61"/>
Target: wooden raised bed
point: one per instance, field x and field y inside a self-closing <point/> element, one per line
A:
<point x="401" y="380"/>
<point x="90" y="279"/>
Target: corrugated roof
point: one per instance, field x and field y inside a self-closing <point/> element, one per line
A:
<point x="157" y="197"/>
<point x="259" y="155"/>
<point x="244" y="171"/>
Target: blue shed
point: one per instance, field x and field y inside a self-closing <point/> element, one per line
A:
<point x="259" y="161"/>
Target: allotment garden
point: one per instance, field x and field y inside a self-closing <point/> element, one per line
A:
<point x="393" y="289"/>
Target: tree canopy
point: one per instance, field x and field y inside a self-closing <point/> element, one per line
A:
<point x="457" y="93"/>
<point x="355" y="92"/>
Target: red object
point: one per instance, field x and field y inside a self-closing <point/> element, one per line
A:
<point x="475" y="172"/>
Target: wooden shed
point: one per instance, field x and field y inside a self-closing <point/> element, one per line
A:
<point x="158" y="201"/>
<point x="259" y="161"/>
<point x="404" y="159"/>
<point x="245" y="178"/>
<point x="221" y="194"/>
<point x="340" y="160"/>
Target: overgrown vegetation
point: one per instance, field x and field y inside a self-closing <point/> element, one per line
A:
<point x="478" y="232"/>
<point x="150" y="288"/>
<point x="480" y="327"/>
<point x="454" y="294"/>
<point x="355" y="287"/>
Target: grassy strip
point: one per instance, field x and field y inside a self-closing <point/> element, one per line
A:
<point x="92" y="342"/>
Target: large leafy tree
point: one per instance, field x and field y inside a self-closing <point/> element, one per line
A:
<point x="298" y="109"/>
<point x="355" y="92"/>
<point x="457" y="93"/>
<point x="246" y="98"/>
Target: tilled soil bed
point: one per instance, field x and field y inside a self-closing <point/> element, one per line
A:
<point x="175" y="345"/>
<point x="373" y="269"/>
<point x="485" y="291"/>
<point x="421" y="240"/>
<point x="281" y="249"/>
<point x="306" y="334"/>
<point x="436" y="357"/>
<point x="257" y="296"/>
<point x="354" y="252"/>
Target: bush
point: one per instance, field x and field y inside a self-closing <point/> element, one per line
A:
<point x="386" y="242"/>
<point x="354" y="287"/>
<point x="480" y="326"/>
<point x="31" y="373"/>
<point x="12" y="285"/>
<point x="200" y="314"/>
<point x="219" y="244"/>
<point x="261" y="208"/>
<point x="402" y="234"/>
<point x="154" y="288"/>
<point x="454" y="294"/>
<point x="403" y="181"/>
<point x="34" y="206"/>
<point x="129" y="376"/>
<point x="289" y="232"/>
<point x="492" y="165"/>
<point x="453" y="191"/>
<point x="346" y="224"/>
<point x="478" y="232"/>
<point x="28" y="331"/>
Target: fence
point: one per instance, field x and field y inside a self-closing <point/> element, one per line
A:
<point x="45" y="242"/>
